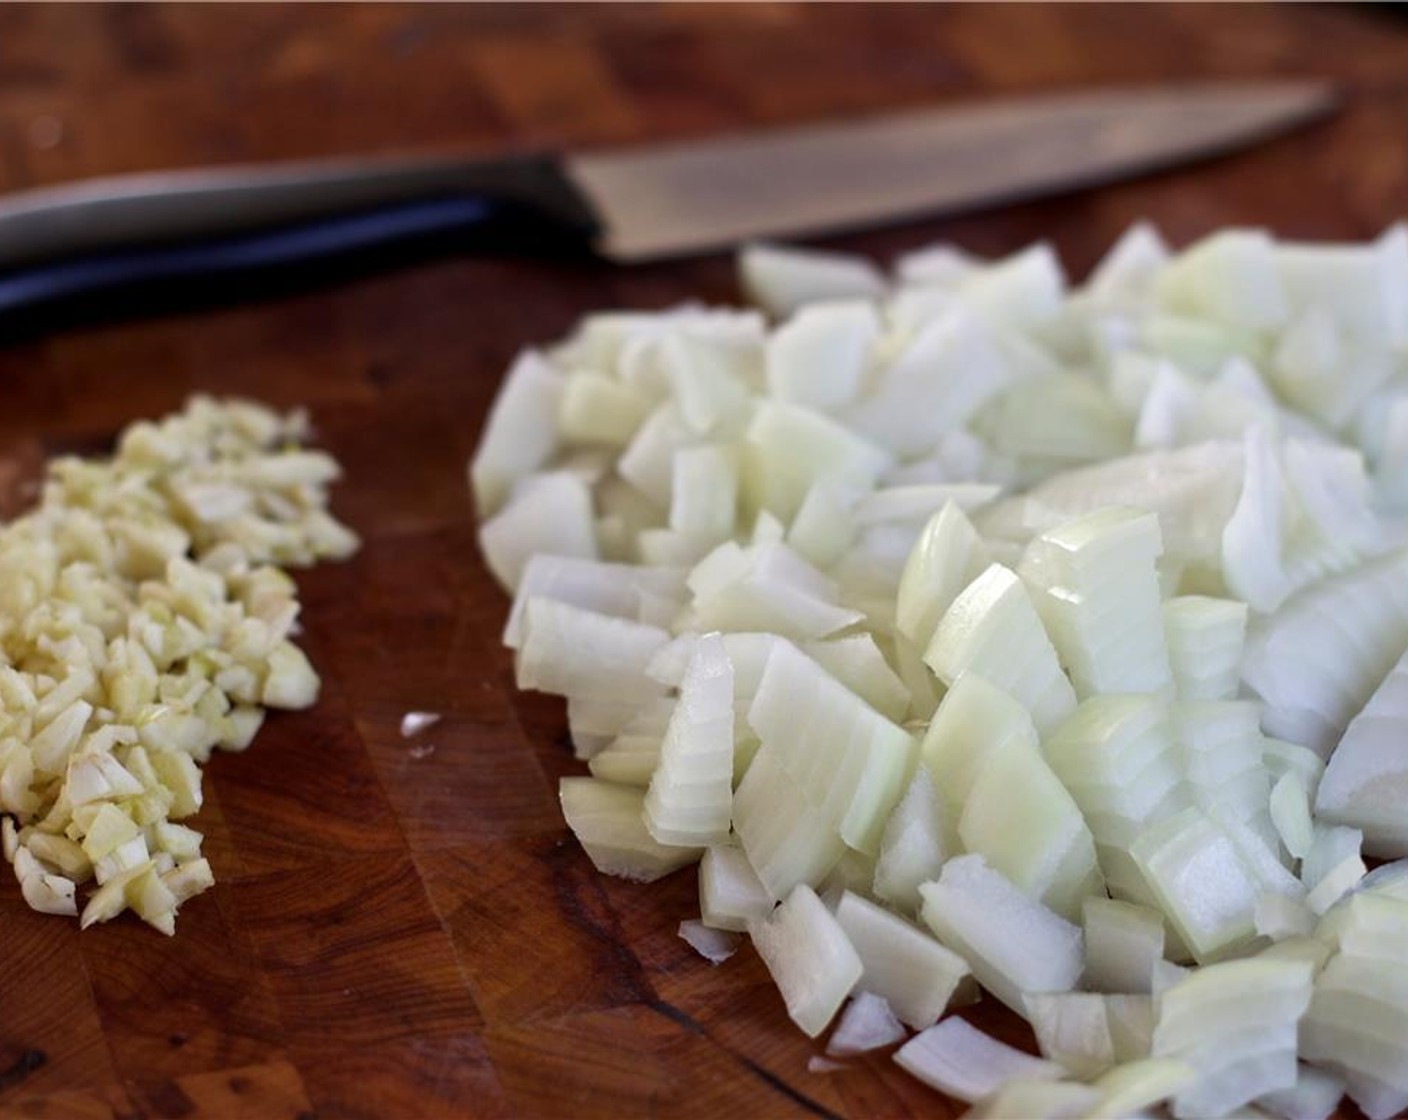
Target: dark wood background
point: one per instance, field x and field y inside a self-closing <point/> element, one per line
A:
<point x="394" y="935"/>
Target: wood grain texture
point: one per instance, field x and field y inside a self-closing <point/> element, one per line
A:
<point x="413" y="934"/>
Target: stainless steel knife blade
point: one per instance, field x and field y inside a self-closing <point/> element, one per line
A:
<point x="683" y="198"/>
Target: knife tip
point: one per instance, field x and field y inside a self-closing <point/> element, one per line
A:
<point x="1300" y="99"/>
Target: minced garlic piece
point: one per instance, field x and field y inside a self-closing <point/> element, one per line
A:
<point x="144" y="621"/>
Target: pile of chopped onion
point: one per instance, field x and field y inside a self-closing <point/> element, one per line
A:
<point x="983" y="637"/>
<point x="144" y="621"/>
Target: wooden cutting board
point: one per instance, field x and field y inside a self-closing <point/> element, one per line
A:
<point x="404" y="928"/>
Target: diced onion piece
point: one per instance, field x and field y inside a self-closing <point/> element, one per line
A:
<point x="1193" y="868"/>
<point x="866" y="1024"/>
<point x="767" y="529"/>
<point x="1253" y="566"/>
<point x="1129" y="268"/>
<point x="708" y="377"/>
<point x="914" y="845"/>
<point x="570" y="651"/>
<point x="919" y="501"/>
<point x="634" y="754"/>
<point x="1332" y="866"/>
<point x="730" y="894"/>
<point x="810" y="959"/>
<point x="1205" y="637"/>
<point x="1389" y="879"/>
<point x="1365" y="784"/>
<point x="646" y="468"/>
<point x="1192" y="490"/>
<point x="1037" y="1100"/>
<point x="992" y="629"/>
<point x="1073" y="1030"/>
<point x="916" y="975"/>
<point x="1130" y="1019"/>
<point x="704" y="494"/>
<point x="783" y="279"/>
<point x="607" y="820"/>
<point x="1308" y="950"/>
<point x="786" y="839"/>
<point x="690" y="797"/>
<point x="848" y="762"/>
<point x="1123" y="943"/>
<point x="1319" y="658"/>
<point x="853" y="872"/>
<point x="1230" y="277"/>
<point x="1356" y="1027"/>
<point x="1131" y="1088"/>
<point x="1235" y="1024"/>
<point x="1097" y="590"/>
<point x="1369" y="924"/>
<point x="973" y="719"/>
<point x="766" y="587"/>
<point x="944" y="374"/>
<point x="1281" y="758"/>
<point x="1279" y="917"/>
<point x="1220" y="747"/>
<point x="1118" y="758"/>
<point x="1321" y="372"/>
<point x="520" y="434"/>
<point x="1290" y="813"/>
<point x="1058" y="420"/>
<point x="788" y="448"/>
<point x="856" y="661"/>
<point x="714" y="945"/>
<point x="947" y="557"/>
<point x="823" y="527"/>
<point x="1315" y="1096"/>
<point x="593" y="585"/>
<point x="1021" y="819"/>
<point x="963" y="1062"/>
<point x="1013" y="944"/>
<point x="592" y="723"/>
<point x="551" y="513"/>
<point x="1023" y="290"/>
<point x="819" y="356"/>
<point x="1364" y="287"/>
<point x="940" y="265"/>
<point x="594" y="408"/>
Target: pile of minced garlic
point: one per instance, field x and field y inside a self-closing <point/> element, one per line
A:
<point x="145" y="619"/>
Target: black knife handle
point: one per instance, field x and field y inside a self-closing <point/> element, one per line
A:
<point x="128" y="211"/>
<point x="164" y="243"/>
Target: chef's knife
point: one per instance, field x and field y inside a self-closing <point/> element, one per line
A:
<point x="145" y="241"/>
